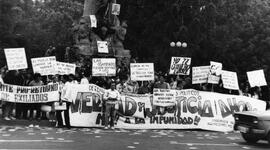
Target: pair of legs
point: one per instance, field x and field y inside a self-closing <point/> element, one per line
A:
<point x="66" y="116"/>
<point x="110" y="114"/>
<point x="8" y="110"/>
<point x="21" y="110"/>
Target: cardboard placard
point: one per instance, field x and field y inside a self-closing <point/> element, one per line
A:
<point x="103" y="66"/>
<point x="229" y="80"/>
<point x="93" y="21"/>
<point x="256" y="78"/>
<point x="200" y="74"/>
<point x="116" y="9"/>
<point x="65" y="68"/>
<point x="102" y="46"/>
<point x="16" y="58"/>
<point x="215" y="72"/>
<point x="163" y="97"/>
<point x="142" y="71"/>
<point x="180" y="66"/>
<point x="44" y="65"/>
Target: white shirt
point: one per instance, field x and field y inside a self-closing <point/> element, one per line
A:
<point x="1" y="79"/>
<point x="112" y="94"/>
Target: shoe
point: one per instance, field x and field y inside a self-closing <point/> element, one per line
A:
<point x="12" y="118"/>
<point x="105" y="128"/>
<point x="31" y="125"/>
<point x="7" y="119"/>
<point x="112" y="128"/>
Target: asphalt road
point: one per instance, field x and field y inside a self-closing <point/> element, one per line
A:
<point x="18" y="135"/>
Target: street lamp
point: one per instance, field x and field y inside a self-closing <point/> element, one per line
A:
<point x="178" y="44"/>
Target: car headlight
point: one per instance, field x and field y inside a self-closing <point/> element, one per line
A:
<point x="255" y="120"/>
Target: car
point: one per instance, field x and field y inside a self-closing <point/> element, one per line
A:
<point x="253" y="125"/>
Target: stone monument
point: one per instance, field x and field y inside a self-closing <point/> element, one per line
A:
<point x="109" y="28"/>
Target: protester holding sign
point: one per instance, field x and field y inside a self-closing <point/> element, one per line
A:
<point x="111" y="98"/>
<point x="36" y="82"/>
<point x="12" y="77"/>
<point x="60" y="122"/>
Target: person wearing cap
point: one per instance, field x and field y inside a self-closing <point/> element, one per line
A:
<point x="111" y="98"/>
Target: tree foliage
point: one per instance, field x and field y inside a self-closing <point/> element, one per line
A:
<point x="234" y="32"/>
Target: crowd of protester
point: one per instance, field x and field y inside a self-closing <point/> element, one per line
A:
<point x="122" y="84"/>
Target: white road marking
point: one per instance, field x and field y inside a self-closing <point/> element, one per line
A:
<point x="203" y="144"/>
<point x="29" y="141"/>
<point x="132" y="147"/>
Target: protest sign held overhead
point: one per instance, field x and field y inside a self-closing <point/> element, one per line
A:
<point x="180" y="66"/>
<point x="44" y="65"/>
<point x="16" y="58"/>
<point x="256" y="78"/>
<point x="102" y="46"/>
<point x="163" y="97"/>
<point x="65" y="68"/>
<point x="142" y="71"/>
<point x="215" y="72"/>
<point x="200" y="74"/>
<point x="104" y="67"/>
<point x="93" y="21"/>
<point x="229" y="80"/>
<point x="116" y="9"/>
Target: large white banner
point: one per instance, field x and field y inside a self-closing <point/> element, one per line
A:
<point x="229" y="80"/>
<point x="104" y="67"/>
<point x="200" y="74"/>
<point x="65" y="68"/>
<point x="192" y="109"/>
<point x="142" y="71"/>
<point x="44" y="65"/>
<point x="180" y="66"/>
<point x="27" y="94"/>
<point x="16" y="58"/>
<point x="256" y="78"/>
<point x="215" y="72"/>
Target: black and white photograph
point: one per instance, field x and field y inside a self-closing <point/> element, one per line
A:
<point x="134" y="74"/>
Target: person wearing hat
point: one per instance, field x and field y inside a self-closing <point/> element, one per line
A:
<point x="111" y="98"/>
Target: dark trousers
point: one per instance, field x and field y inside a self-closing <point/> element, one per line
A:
<point x="8" y="108"/>
<point x="21" y="110"/>
<point x="110" y="113"/>
<point x="36" y="107"/>
<point x="66" y="116"/>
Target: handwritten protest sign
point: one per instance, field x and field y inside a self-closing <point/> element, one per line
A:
<point x="93" y="21"/>
<point x="104" y="67"/>
<point x="229" y="80"/>
<point x="142" y="71"/>
<point x="163" y="97"/>
<point x="180" y="66"/>
<point x="256" y="78"/>
<point x="200" y="74"/>
<point x="116" y="9"/>
<point x="44" y="65"/>
<point x="16" y="58"/>
<point x="65" y="68"/>
<point x="102" y="46"/>
<point x="215" y="72"/>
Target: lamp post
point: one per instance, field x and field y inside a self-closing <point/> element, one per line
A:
<point x="178" y="44"/>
